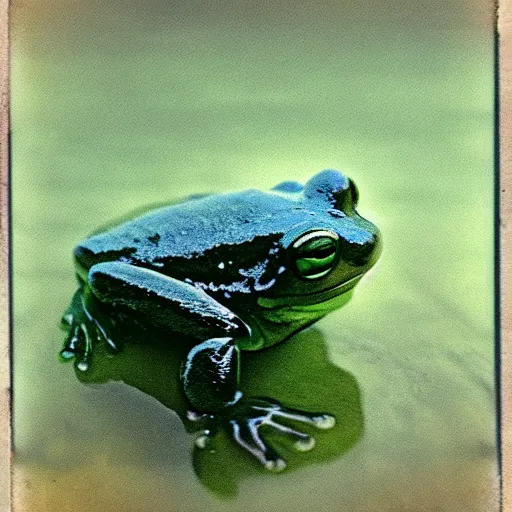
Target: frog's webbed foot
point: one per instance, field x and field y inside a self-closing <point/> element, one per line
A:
<point x="248" y="421"/>
<point x="85" y="326"/>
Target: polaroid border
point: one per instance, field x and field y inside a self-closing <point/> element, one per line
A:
<point x="503" y="249"/>
<point x="503" y="233"/>
<point x="5" y="264"/>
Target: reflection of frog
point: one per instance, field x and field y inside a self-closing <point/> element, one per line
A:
<point x="305" y="377"/>
<point x="235" y="272"/>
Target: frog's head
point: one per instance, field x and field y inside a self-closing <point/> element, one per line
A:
<point x="327" y="255"/>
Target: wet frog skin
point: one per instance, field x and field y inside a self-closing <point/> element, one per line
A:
<point x="233" y="272"/>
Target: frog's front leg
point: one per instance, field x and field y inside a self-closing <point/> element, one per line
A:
<point x="210" y="377"/>
<point x="210" y="380"/>
<point x="211" y="372"/>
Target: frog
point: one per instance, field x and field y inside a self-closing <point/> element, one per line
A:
<point x="229" y="272"/>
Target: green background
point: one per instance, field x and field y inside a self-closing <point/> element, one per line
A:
<point x="118" y="104"/>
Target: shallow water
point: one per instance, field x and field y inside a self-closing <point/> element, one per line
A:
<point x="115" y="107"/>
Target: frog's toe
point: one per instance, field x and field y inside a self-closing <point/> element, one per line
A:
<point x="73" y="343"/>
<point x="204" y="438"/>
<point x="77" y="346"/>
<point x="82" y="362"/>
<point x="321" y="421"/>
<point x="302" y="442"/>
<point x="67" y="321"/>
<point x="247" y="435"/>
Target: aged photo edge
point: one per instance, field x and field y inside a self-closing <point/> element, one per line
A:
<point x="504" y="246"/>
<point x="5" y="378"/>
<point x="505" y="242"/>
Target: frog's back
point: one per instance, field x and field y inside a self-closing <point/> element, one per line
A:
<point x="192" y="227"/>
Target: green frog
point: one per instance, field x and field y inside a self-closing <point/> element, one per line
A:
<point x="232" y="272"/>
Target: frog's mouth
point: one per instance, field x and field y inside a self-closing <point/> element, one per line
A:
<point x="311" y="298"/>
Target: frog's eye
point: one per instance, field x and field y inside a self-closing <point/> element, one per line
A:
<point x="315" y="254"/>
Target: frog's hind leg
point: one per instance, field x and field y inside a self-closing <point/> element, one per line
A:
<point x="85" y="325"/>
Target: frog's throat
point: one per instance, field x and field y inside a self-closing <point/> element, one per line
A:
<point x="309" y="299"/>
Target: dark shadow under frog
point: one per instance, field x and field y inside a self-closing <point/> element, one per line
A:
<point x="297" y="372"/>
<point x="231" y="273"/>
